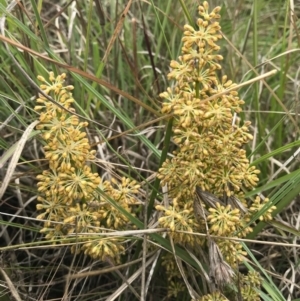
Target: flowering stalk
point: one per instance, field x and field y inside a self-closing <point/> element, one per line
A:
<point x="209" y="172"/>
<point x="68" y="195"/>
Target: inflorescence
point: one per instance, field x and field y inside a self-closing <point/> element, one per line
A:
<point x="207" y="176"/>
<point x="72" y="209"/>
<point x="209" y="172"/>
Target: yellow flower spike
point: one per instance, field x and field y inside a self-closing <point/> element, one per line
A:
<point x="69" y="88"/>
<point x="159" y="207"/>
<point x="109" y="221"/>
<point x="163" y="220"/>
<point x="54" y="157"/>
<point x="41" y="78"/>
<point x="62" y="76"/>
<point x="95" y="250"/>
<point x="51" y="76"/>
<point x="172" y="226"/>
<point x="44" y="87"/>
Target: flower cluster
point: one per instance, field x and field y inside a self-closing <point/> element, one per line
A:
<point x="175" y="284"/>
<point x="209" y="172"/>
<point x="68" y="197"/>
<point x="247" y="286"/>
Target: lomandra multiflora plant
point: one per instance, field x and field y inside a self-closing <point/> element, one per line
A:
<point x="209" y="173"/>
<point x="207" y="176"/>
<point x="72" y="209"/>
